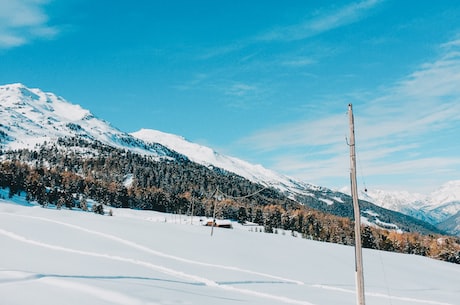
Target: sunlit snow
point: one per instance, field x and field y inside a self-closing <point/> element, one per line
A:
<point x="142" y="257"/>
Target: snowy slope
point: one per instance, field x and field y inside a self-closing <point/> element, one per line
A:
<point x="451" y="224"/>
<point x="208" y="157"/>
<point x="68" y="257"/>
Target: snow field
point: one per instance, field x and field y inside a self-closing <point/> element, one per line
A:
<point x="136" y="257"/>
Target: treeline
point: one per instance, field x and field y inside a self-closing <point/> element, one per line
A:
<point x="102" y="172"/>
<point x="75" y="170"/>
<point x="319" y="226"/>
<point x="404" y="222"/>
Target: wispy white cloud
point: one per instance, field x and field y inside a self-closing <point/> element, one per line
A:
<point x="245" y="96"/>
<point x="324" y="131"/>
<point x="398" y="128"/>
<point x="22" y="21"/>
<point x="196" y="80"/>
<point x="240" y="89"/>
<point x="298" y="62"/>
<point x="222" y="50"/>
<point x="323" y="22"/>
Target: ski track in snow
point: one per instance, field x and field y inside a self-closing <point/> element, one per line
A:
<point x="152" y="266"/>
<point x="161" y="269"/>
<point x="158" y="253"/>
<point x="180" y="274"/>
<point x="111" y="296"/>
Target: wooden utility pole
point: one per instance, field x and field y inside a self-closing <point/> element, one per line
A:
<point x="354" y="194"/>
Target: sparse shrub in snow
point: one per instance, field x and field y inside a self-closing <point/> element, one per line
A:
<point x="98" y="209"/>
<point x="83" y="204"/>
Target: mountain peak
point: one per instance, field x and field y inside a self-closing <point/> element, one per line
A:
<point x="31" y="116"/>
<point x="14" y="94"/>
<point x="448" y="192"/>
<point x="13" y="86"/>
<point x="34" y="101"/>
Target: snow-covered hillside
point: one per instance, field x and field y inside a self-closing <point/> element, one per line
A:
<point x="208" y="157"/>
<point x="451" y="224"/>
<point x="142" y="257"/>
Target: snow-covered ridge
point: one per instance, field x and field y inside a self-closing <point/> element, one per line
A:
<point x="208" y="157"/>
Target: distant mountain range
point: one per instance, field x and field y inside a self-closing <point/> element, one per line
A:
<point x="440" y="208"/>
<point x="31" y="117"/>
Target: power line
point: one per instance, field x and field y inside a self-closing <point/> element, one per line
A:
<point x="217" y="191"/>
<point x="242" y="197"/>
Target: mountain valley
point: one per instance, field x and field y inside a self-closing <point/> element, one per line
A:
<point x="61" y="154"/>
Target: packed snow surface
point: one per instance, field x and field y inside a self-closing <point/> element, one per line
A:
<point x="142" y="257"/>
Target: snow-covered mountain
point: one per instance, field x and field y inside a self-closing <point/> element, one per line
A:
<point x="31" y="116"/>
<point x="434" y="208"/>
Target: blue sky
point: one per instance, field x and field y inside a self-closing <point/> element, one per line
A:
<point x="265" y="81"/>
